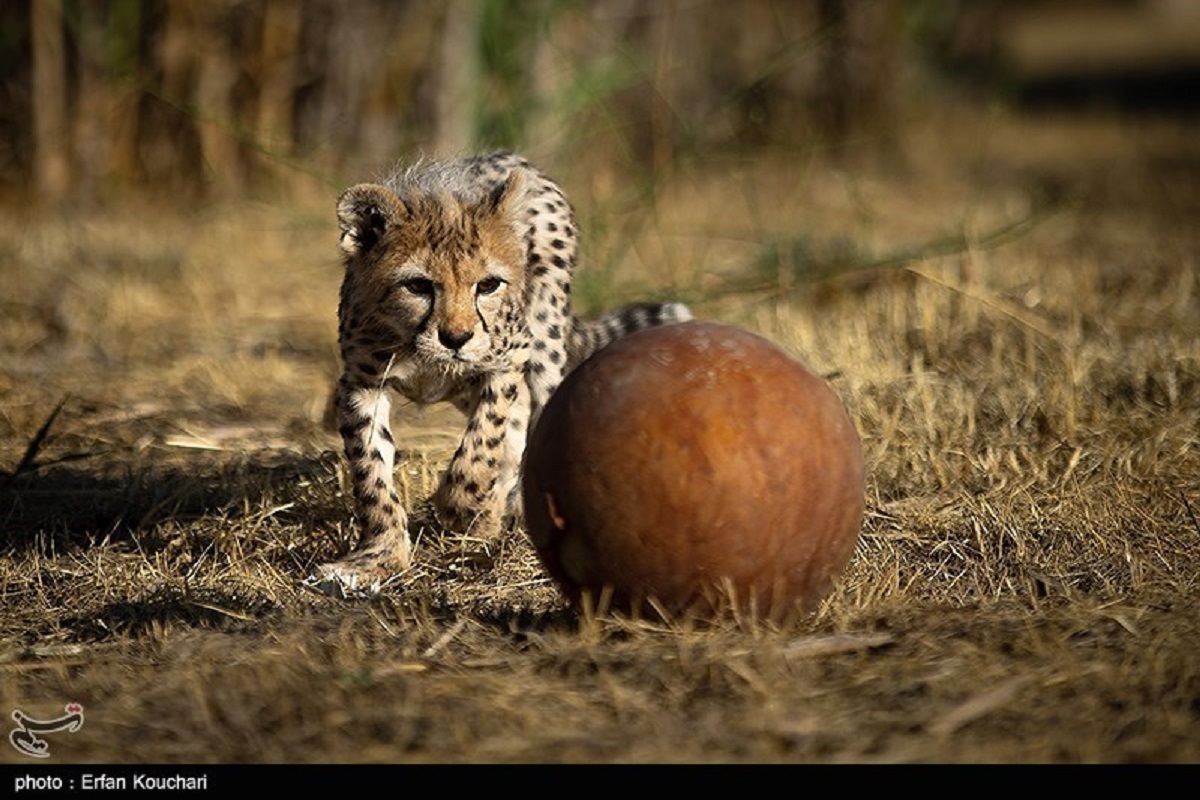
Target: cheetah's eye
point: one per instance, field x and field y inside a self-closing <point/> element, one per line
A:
<point x="422" y="287"/>
<point x="488" y="286"/>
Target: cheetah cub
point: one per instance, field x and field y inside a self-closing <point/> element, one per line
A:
<point x="457" y="288"/>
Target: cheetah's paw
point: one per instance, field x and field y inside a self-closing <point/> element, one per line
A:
<point x="457" y="515"/>
<point x="361" y="574"/>
<point x="344" y="585"/>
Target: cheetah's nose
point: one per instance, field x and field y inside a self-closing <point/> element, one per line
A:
<point x="453" y="340"/>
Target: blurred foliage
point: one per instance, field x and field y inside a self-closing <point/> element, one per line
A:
<point x="214" y="97"/>
<point x="220" y="97"/>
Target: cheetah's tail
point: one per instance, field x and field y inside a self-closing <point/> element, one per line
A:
<point x="588" y="336"/>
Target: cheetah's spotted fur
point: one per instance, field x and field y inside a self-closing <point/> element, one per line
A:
<point x="457" y="288"/>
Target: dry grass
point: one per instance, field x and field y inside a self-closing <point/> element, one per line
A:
<point x="1030" y="409"/>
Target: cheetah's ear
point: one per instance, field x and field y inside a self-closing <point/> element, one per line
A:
<point x="506" y="197"/>
<point x="364" y="212"/>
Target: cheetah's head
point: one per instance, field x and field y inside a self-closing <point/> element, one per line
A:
<point x="443" y="274"/>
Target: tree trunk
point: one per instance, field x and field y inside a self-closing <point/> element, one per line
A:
<point x="91" y="137"/>
<point x="277" y="81"/>
<point x="662" y="116"/>
<point x="124" y="68"/>
<point x="457" y="76"/>
<point x="216" y="120"/>
<point x="51" y="166"/>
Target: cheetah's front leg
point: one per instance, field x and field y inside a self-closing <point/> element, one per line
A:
<point x="477" y="490"/>
<point x="383" y="547"/>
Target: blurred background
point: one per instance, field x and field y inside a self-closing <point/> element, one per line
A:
<point x="212" y="99"/>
